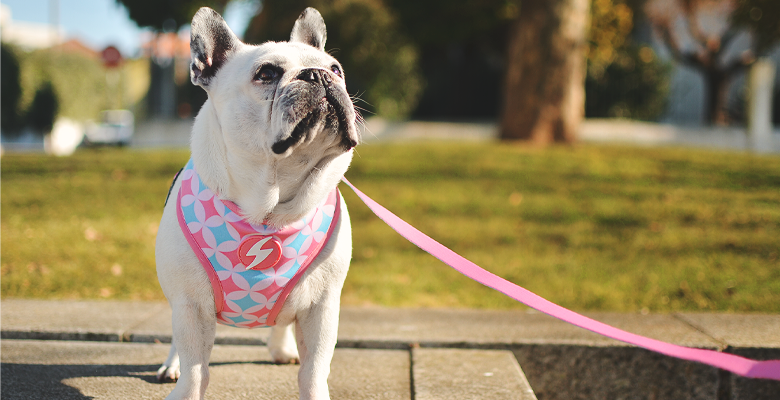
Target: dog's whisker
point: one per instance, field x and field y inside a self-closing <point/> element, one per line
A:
<point x="283" y="96"/>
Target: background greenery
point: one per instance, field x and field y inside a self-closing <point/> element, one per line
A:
<point x="10" y="118"/>
<point x="588" y="227"/>
<point x="625" y="79"/>
<point x="380" y="60"/>
<point x="445" y="59"/>
<point x="76" y="83"/>
<point x="440" y="59"/>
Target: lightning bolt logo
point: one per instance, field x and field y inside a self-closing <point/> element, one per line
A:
<point x="259" y="253"/>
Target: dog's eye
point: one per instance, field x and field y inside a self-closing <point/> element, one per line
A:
<point x="336" y="70"/>
<point x="267" y="74"/>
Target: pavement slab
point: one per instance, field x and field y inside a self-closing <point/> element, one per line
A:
<point x="92" y="370"/>
<point x="81" y="370"/>
<point x="370" y="374"/>
<point x="73" y="319"/>
<point x="375" y="326"/>
<point x="738" y="330"/>
<point x="468" y="374"/>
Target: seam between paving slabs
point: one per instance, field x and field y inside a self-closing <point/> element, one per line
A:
<point x="412" y="393"/>
<point x="724" y="389"/>
<point x="127" y="335"/>
<point x="722" y="345"/>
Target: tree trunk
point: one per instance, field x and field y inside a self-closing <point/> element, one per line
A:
<point x="544" y="98"/>
<point x="717" y="92"/>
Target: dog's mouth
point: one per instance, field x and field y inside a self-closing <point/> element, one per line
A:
<point x="298" y="133"/>
<point x="333" y="113"/>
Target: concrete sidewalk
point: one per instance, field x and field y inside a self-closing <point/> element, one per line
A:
<point x="111" y="349"/>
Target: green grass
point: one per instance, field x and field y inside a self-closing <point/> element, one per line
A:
<point x="83" y="226"/>
<point x="588" y="227"/>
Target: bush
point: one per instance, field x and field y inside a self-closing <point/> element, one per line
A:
<point x="79" y="81"/>
<point x="624" y="80"/>
<point x="776" y="107"/>
<point x="10" y="122"/>
<point x="634" y="86"/>
<point x="44" y="108"/>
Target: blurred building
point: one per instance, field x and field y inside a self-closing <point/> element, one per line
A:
<point x="27" y="35"/>
<point x="702" y="28"/>
<point x="75" y="46"/>
<point x="687" y="92"/>
<point x="169" y="55"/>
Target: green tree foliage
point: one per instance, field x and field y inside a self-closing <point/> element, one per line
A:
<point x="462" y="46"/>
<point x="79" y="81"/>
<point x="44" y="108"/>
<point x="762" y="17"/>
<point x="448" y="53"/>
<point x="634" y="86"/>
<point x="11" y="91"/>
<point x="156" y="14"/>
<point x="380" y="61"/>
<point x="434" y="22"/>
<point x="624" y="80"/>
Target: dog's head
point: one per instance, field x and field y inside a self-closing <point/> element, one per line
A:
<point x="277" y="96"/>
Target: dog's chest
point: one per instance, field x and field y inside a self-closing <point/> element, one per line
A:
<point x="252" y="268"/>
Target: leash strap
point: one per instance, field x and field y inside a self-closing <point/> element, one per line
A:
<point x="739" y="365"/>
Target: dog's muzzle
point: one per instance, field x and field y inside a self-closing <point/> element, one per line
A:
<point x="336" y="109"/>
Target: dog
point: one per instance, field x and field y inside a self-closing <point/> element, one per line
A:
<point x="236" y="243"/>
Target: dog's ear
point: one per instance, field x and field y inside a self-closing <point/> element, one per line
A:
<point x="310" y="29"/>
<point x="211" y="43"/>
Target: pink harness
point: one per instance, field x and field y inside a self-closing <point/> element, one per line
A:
<point x="252" y="268"/>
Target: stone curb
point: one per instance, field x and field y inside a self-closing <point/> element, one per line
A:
<point x="560" y="361"/>
<point x="385" y="328"/>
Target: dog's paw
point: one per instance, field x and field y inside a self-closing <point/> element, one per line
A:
<point x="168" y="373"/>
<point x="285" y="355"/>
<point x="282" y="345"/>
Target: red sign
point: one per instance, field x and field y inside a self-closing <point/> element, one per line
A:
<point x="111" y="56"/>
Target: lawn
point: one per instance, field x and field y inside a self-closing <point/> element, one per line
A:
<point x="588" y="227"/>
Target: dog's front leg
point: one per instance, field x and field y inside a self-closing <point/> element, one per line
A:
<point x="316" y="331"/>
<point x="194" y="328"/>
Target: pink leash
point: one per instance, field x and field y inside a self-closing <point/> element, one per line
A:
<point x="739" y="365"/>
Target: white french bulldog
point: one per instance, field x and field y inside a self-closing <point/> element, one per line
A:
<point x="273" y="139"/>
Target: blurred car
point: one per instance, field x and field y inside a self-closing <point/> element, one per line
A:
<point x="116" y="127"/>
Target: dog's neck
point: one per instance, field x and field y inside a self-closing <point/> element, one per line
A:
<point x="268" y="189"/>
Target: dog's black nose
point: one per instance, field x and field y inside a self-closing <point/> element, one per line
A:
<point x="316" y="76"/>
